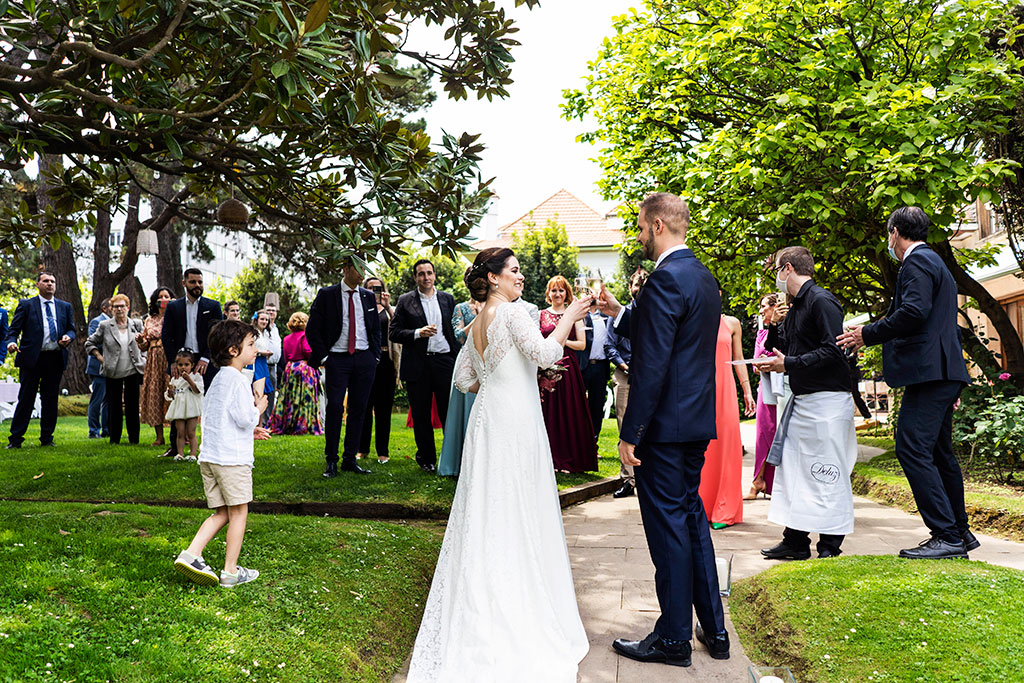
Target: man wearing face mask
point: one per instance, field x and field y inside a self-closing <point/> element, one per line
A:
<point x="921" y="351"/>
<point x="815" y="447"/>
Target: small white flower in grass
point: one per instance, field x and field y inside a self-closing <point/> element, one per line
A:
<point x="135" y="642"/>
<point x="48" y="665"/>
<point x="827" y="657"/>
<point x="281" y="665"/>
<point x="71" y="646"/>
<point x="853" y="630"/>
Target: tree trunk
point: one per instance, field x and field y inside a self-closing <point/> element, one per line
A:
<point x="1012" y="347"/>
<point x="61" y="263"/>
<point x="168" y="261"/>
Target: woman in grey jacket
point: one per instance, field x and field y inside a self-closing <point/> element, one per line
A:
<point x="123" y="363"/>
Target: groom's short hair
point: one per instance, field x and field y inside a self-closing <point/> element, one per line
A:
<point x="671" y="209"/>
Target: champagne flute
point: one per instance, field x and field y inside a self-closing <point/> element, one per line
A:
<point x="583" y="290"/>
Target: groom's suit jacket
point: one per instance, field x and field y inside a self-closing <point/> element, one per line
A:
<point x="673" y="330"/>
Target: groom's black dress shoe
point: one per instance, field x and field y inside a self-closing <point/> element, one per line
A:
<point x="717" y="645"/>
<point x="971" y="541"/>
<point x="625" y="490"/>
<point x="331" y="471"/>
<point x="654" y="649"/>
<point x="351" y="466"/>
<point x="785" y="552"/>
<point x="936" y="549"/>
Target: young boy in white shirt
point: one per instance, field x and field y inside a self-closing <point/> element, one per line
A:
<point x="230" y="423"/>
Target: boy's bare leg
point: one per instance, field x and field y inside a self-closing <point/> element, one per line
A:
<point x="236" y="532"/>
<point x="210" y="527"/>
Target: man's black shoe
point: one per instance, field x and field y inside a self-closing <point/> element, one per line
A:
<point x="51" y="442"/>
<point x="824" y="554"/>
<point x="971" y="541"/>
<point x="625" y="490"/>
<point x="331" y="471"/>
<point x="351" y="466"/>
<point x="936" y="549"/>
<point x="718" y="645"/>
<point x="654" y="649"/>
<point x="428" y="468"/>
<point x="785" y="552"/>
<point x="169" y="453"/>
<point x="11" y="446"/>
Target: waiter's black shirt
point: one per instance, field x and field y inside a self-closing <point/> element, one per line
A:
<point x="807" y="336"/>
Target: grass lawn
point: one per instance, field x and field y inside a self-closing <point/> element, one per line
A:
<point x="992" y="507"/>
<point x="884" y="619"/>
<point x="87" y="593"/>
<point x="288" y="470"/>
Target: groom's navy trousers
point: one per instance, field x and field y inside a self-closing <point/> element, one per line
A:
<point x="678" y="537"/>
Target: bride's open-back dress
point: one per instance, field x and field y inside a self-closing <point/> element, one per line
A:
<point x="502" y="607"/>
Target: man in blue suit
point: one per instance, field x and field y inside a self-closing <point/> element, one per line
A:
<point x="3" y="335"/>
<point x="921" y="351"/>
<point x="98" y="412"/>
<point x="669" y="419"/>
<point x="46" y="327"/>
<point x="344" y="336"/>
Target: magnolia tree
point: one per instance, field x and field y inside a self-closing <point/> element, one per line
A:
<point x="808" y="122"/>
<point x="287" y="105"/>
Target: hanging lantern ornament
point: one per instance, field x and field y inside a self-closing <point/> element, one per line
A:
<point x="147" y="243"/>
<point x="232" y="213"/>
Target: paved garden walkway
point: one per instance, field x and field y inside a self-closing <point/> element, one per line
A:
<point x="615" y="578"/>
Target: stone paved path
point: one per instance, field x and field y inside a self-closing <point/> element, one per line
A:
<point x="615" y="578"/>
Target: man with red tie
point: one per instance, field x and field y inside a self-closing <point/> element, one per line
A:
<point x="344" y="335"/>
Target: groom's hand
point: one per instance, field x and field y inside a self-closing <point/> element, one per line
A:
<point x="607" y="303"/>
<point x="626" y="454"/>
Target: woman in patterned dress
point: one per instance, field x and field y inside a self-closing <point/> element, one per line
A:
<point x="298" y="402"/>
<point x="152" y="404"/>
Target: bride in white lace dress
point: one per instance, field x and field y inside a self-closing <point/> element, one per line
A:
<point x="502" y="607"/>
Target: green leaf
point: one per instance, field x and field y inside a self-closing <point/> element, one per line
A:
<point x="280" y="68"/>
<point x="317" y="15"/>
<point x="172" y="146"/>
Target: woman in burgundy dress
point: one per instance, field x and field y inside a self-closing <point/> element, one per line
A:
<point x="563" y="398"/>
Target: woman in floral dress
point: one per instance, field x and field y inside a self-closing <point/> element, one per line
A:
<point x="298" y="402"/>
<point x="152" y="404"/>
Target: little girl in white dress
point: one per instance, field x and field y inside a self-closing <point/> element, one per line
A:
<point x="185" y="392"/>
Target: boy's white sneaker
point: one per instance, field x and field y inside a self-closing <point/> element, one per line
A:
<point x="242" y="575"/>
<point x="195" y="569"/>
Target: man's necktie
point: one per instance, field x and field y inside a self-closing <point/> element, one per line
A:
<point x="51" y="322"/>
<point x="351" y="321"/>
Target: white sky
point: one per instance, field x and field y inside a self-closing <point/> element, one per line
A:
<point x="531" y="150"/>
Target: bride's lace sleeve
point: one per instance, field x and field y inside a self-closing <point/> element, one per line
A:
<point x="528" y="339"/>
<point x="465" y="373"/>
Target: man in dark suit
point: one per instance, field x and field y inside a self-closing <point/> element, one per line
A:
<point x="921" y="351"/>
<point x="423" y="326"/>
<point x="98" y="410"/>
<point x="4" y="325"/>
<point x="344" y="336"/>
<point x="46" y="327"/>
<point x="595" y="366"/>
<point x="187" y="323"/>
<point x="670" y="417"/>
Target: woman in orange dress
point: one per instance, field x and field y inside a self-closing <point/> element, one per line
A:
<point x="152" y="404"/>
<point x="721" y="478"/>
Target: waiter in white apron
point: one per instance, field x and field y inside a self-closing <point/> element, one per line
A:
<point x="815" y="445"/>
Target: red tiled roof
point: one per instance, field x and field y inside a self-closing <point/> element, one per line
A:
<point x="584" y="226"/>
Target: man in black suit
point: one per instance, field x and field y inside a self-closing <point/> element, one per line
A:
<point x="921" y="351"/>
<point x="595" y="366"/>
<point x="344" y="336"/>
<point x="187" y="323"/>
<point x="46" y="327"/>
<point x="423" y="326"/>
<point x="669" y="419"/>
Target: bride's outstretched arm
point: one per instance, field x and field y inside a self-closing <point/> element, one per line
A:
<point x="528" y="339"/>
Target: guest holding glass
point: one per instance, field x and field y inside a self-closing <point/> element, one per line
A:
<point x="114" y="345"/>
<point x="459" y="404"/>
<point x="765" y="416"/>
<point x="722" y="475"/>
<point x="298" y="405"/>
<point x="153" y="402"/>
<point x="382" y="393"/>
<point x="563" y="399"/>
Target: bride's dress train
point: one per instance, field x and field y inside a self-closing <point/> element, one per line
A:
<point x="502" y="607"/>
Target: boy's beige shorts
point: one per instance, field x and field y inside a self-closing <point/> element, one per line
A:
<point x="226" y="484"/>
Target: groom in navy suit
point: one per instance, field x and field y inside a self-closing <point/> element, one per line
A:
<point x="670" y="417"/>
<point x="46" y="327"/>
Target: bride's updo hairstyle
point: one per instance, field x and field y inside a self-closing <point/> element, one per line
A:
<point x="491" y="260"/>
